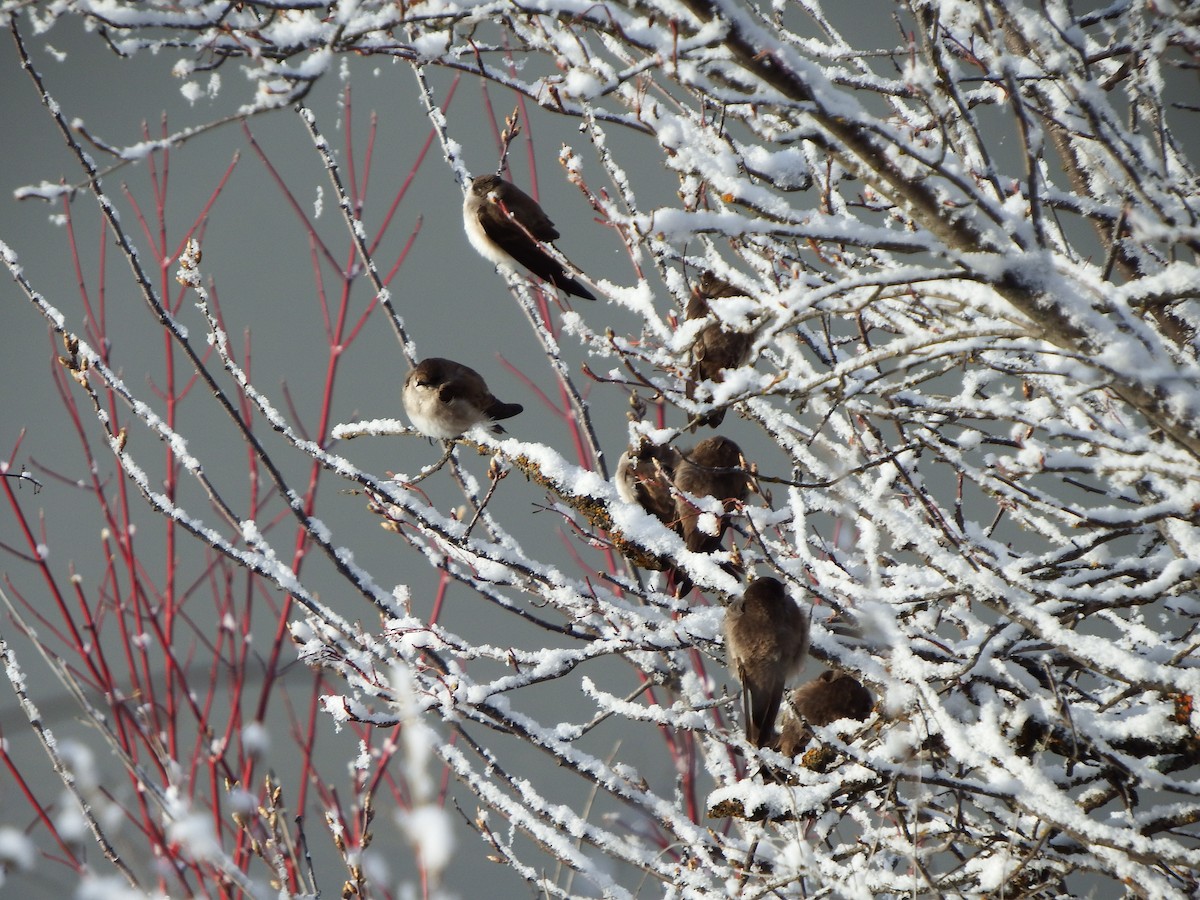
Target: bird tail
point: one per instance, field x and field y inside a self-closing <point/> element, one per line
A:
<point x="760" y="717"/>
<point x="574" y="286"/>
<point x="500" y="410"/>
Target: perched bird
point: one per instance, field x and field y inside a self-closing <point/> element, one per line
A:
<point x="511" y="238"/>
<point x="444" y="399"/>
<point x="712" y="469"/>
<point x="825" y="699"/>
<point x="716" y="347"/>
<point x="644" y="477"/>
<point x="766" y="639"/>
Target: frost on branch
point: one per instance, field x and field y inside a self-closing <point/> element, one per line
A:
<point x="962" y="256"/>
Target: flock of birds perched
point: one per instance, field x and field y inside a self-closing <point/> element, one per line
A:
<point x="766" y="633"/>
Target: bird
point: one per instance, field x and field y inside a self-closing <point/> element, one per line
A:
<point x="505" y="225"/>
<point x="827" y="698"/>
<point x="712" y="469"/>
<point x="444" y="399"/>
<point x="644" y="477"/>
<point x="716" y="348"/>
<point x="766" y="640"/>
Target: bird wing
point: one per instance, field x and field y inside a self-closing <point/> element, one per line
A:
<point x="525" y="209"/>
<point x="688" y="515"/>
<point x="508" y="236"/>
<point x="463" y="383"/>
<point x="651" y="474"/>
<point x="747" y="700"/>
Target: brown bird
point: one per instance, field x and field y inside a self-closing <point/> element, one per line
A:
<point x="511" y="238"/>
<point x="716" y="348"/>
<point x="825" y="699"/>
<point x="644" y="477"/>
<point x="712" y="469"/>
<point x="444" y="399"/>
<point x="766" y="639"/>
